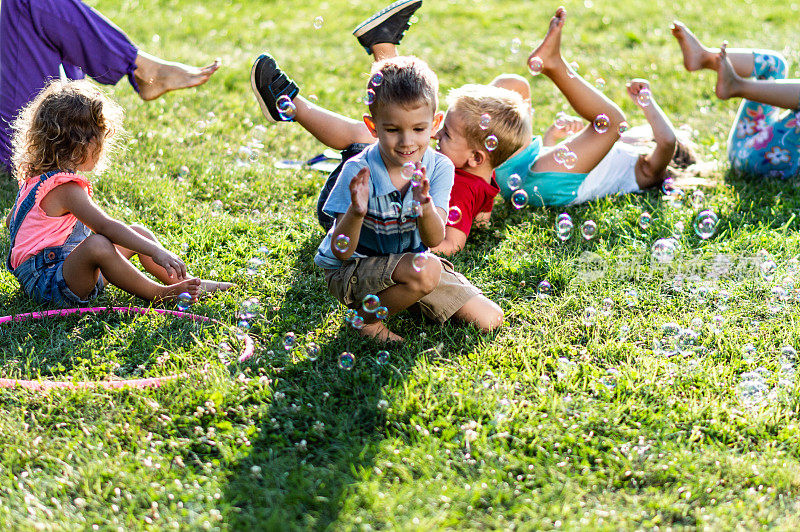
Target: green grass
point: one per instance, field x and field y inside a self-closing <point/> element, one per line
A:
<point x="550" y="423"/>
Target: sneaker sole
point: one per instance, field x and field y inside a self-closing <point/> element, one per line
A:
<point x="379" y="18"/>
<point x="259" y="99"/>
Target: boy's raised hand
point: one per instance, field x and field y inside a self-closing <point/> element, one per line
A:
<point x="359" y="192"/>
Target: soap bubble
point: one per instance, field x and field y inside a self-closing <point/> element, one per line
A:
<point x="416" y="209"/>
<point x="705" y="224"/>
<point x="244" y="325"/>
<point x="768" y="269"/>
<point x="249" y="309"/>
<point x="535" y="65"/>
<point x="312" y="351"/>
<point x="563" y="216"/>
<point x="601" y="123"/>
<point x="698" y="198"/>
<point x="318" y="22"/>
<point x="491" y="143"/>
<point x="289" y="341"/>
<point x="544" y="289"/>
<point x="519" y="198"/>
<point x="382" y="313"/>
<point x="631" y="297"/>
<point x="749" y="353"/>
<point x="514" y="181"/>
<point x="347" y="360"/>
<point x="561" y="120"/>
<point x="589" y="316"/>
<point x="559" y="153"/>
<point x="663" y="250"/>
<point x="644" y="97"/>
<point x="564" y="229"/>
<point x="184" y="301"/>
<point x="486" y="119"/>
<point x="570" y="159"/>
<point x="454" y="215"/>
<point x="342" y="243"/>
<point x="349" y="315"/>
<point x="416" y="177"/>
<point x="370" y="303"/>
<point x="515" y="44"/>
<point x="369" y="97"/>
<point x="376" y="79"/>
<point x="419" y="261"/>
<point x="588" y="229"/>
<point x="183" y="171"/>
<point x="407" y="170"/>
<point x="600" y="83"/>
<point x="382" y="358"/>
<point x="623" y="127"/>
<point x="357" y="322"/>
<point x="286" y="108"/>
<point x="573" y="69"/>
<point x="645" y="220"/>
<point x="608" y="306"/>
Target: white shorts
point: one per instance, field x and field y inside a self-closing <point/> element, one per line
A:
<point x="615" y="174"/>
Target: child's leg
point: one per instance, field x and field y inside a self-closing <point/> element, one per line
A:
<point x="784" y="93"/>
<point x="696" y="56"/>
<point x="589" y="145"/>
<point x="98" y="254"/>
<point x="332" y="129"/>
<point x="481" y="312"/>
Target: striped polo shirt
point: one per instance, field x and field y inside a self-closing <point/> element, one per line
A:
<point x="389" y="226"/>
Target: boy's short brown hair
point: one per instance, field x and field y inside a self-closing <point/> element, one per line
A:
<point x="509" y="119"/>
<point x="404" y="80"/>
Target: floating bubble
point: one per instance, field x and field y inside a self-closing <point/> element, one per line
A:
<point x="416" y="177"/>
<point x="370" y="303"/>
<point x="486" y="119"/>
<point x="341" y="243"/>
<point x="369" y="97"/>
<point x="519" y="198"/>
<point x="563" y="216"/>
<point x="564" y="229"/>
<point x="705" y="224"/>
<point x="544" y="289"/>
<point x="514" y="181"/>
<point x="752" y="391"/>
<point x="357" y="322"/>
<point x="289" y="341"/>
<point x="515" y="44"/>
<point x="589" y="316"/>
<point x="535" y="65"/>
<point x="347" y="360"/>
<point x="559" y="153"/>
<point x="789" y="352"/>
<point x="249" y="308"/>
<point x="588" y="229"/>
<point x="376" y="79"/>
<point x="608" y="306"/>
<point x="184" y="301"/>
<point x="382" y="358"/>
<point x="286" y="108"/>
<point x="644" y="97"/>
<point x="491" y="143"/>
<point x="318" y="22"/>
<point x="601" y="123"/>
<point x="570" y="160"/>
<point x="454" y="215"/>
<point x="560" y="121"/>
<point x="183" y="171"/>
<point x="623" y="127"/>
<point x="312" y="351"/>
<point x="749" y="353"/>
<point x="253" y="265"/>
<point x="407" y="170"/>
<point x="243" y="325"/>
<point x="217" y="206"/>
<point x="698" y="198"/>
<point x="416" y="209"/>
<point x="382" y="313"/>
<point x="419" y="261"/>
<point x="663" y="250"/>
<point x="600" y="83"/>
<point x="631" y="297"/>
<point x="645" y="220"/>
<point x="349" y="315"/>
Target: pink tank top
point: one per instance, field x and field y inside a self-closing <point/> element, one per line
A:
<point x="39" y="231"/>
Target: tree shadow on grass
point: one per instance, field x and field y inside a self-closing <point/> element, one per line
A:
<point x="324" y="424"/>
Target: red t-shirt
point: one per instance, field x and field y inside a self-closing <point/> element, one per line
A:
<point x="472" y="195"/>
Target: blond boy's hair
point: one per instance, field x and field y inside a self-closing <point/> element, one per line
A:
<point x="509" y="119"/>
<point x="404" y="80"/>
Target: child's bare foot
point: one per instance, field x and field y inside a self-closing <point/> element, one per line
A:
<point x="156" y="76"/>
<point x="209" y="287"/>
<point x="695" y="55"/>
<point x="171" y="292"/>
<point x="549" y="50"/>
<point x="727" y="78"/>
<point x="378" y="331"/>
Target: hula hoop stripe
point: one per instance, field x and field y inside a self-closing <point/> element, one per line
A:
<point x="151" y="382"/>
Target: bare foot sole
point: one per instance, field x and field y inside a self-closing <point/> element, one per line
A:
<point x="171" y="292"/>
<point x="727" y="79"/>
<point x="209" y="287"/>
<point x="695" y="55"/>
<point x="156" y="77"/>
<point x="379" y="332"/>
<point x="549" y="50"/>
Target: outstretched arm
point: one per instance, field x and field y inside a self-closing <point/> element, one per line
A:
<point x="651" y="167"/>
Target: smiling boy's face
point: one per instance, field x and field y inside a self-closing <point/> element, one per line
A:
<point x="403" y="133"/>
<point x="452" y="141"/>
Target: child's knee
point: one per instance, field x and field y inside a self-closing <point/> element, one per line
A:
<point x="98" y="245"/>
<point x="426" y="280"/>
<point x="492" y="316"/>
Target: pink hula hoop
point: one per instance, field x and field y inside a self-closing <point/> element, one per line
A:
<point x="152" y="382"/>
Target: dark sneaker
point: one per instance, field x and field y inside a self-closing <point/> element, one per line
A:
<point x="270" y="83"/>
<point x="388" y="25"/>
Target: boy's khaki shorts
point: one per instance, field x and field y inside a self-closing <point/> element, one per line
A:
<point x="359" y="277"/>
